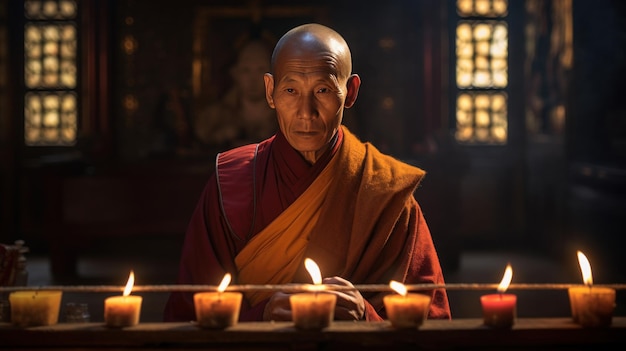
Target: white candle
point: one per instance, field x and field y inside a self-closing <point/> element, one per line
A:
<point x="314" y="310"/>
<point x="406" y="310"/>
<point x="123" y="311"/>
<point x="219" y="309"/>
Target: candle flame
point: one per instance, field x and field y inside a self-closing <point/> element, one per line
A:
<point x="314" y="270"/>
<point x="398" y="287"/>
<point x="224" y="283"/>
<point x="129" y="284"/>
<point x="506" y="279"/>
<point x="585" y="268"/>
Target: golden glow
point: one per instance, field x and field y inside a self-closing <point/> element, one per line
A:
<point x="224" y="283"/>
<point x="585" y="268"/>
<point x="67" y="8"/>
<point x="506" y="279"/>
<point x="129" y="284"/>
<point x="398" y="287"/>
<point x="50" y="118"/>
<point x="129" y="44"/>
<point x="482" y="66"/>
<point x="481" y="117"/>
<point x="481" y="53"/>
<point x="486" y="8"/>
<point x="50" y="72"/>
<point x="313" y="270"/>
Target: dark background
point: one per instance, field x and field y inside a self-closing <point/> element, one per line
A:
<point x="551" y="190"/>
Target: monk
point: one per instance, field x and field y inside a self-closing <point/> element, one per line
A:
<point x="312" y="190"/>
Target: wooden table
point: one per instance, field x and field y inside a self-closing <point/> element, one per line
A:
<point x="466" y="334"/>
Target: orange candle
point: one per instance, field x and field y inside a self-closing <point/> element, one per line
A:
<point x="592" y="307"/>
<point x="314" y="310"/>
<point x="123" y="311"/>
<point x="218" y="310"/>
<point x="406" y="310"/>
<point x="35" y="308"/>
<point x="499" y="310"/>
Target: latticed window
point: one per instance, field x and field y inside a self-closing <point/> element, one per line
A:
<point x="481" y="71"/>
<point x="50" y="73"/>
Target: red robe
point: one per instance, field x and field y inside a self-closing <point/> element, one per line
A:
<point x="364" y="255"/>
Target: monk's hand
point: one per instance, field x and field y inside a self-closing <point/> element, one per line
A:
<point x="278" y="308"/>
<point x="350" y="303"/>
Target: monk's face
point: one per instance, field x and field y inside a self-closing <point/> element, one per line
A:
<point x="309" y="92"/>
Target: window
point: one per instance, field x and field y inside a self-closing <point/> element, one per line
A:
<point x="481" y="72"/>
<point x="50" y="73"/>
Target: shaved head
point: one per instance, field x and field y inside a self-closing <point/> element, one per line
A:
<point x="307" y="39"/>
<point x="309" y="85"/>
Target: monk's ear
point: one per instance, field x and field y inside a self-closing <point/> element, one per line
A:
<point x="269" y="89"/>
<point x="354" y="82"/>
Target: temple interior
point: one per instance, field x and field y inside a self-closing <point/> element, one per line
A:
<point x="513" y="108"/>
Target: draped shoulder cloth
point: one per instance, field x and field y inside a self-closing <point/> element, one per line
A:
<point x="359" y="220"/>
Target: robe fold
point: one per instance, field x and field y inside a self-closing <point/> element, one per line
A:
<point x="369" y="228"/>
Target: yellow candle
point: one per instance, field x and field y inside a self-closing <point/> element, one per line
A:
<point x="314" y="310"/>
<point x="123" y="311"/>
<point x="592" y="307"/>
<point x="406" y="310"/>
<point x="35" y="308"/>
<point x="218" y="310"/>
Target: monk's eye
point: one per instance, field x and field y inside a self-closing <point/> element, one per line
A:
<point x="322" y="90"/>
<point x="290" y="90"/>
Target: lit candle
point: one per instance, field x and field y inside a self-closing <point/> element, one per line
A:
<point x="35" y="308"/>
<point x="592" y="306"/>
<point x="218" y="310"/>
<point x="406" y="310"/>
<point x="499" y="310"/>
<point x="314" y="310"/>
<point x="123" y="311"/>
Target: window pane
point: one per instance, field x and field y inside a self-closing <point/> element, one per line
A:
<point x="481" y="118"/>
<point x="50" y="9"/>
<point x="483" y="8"/>
<point x="50" y="118"/>
<point x="481" y="54"/>
<point x="50" y="72"/>
<point x="481" y="71"/>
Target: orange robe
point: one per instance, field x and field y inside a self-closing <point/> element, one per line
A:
<point x="370" y="228"/>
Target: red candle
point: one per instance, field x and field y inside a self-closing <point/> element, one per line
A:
<point x="499" y="310"/>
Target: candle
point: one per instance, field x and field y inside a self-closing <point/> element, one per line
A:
<point x="406" y="310"/>
<point x="592" y="306"/>
<point x="123" y="311"/>
<point x="499" y="310"/>
<point x="314" y="310"/>
<point x="218" y="310"/>
<point x="35" y="308"/>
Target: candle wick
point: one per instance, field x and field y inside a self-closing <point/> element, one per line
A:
<point x="500" y="296"/>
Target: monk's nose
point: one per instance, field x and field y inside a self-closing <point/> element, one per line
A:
<point x="308" y="107"/>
